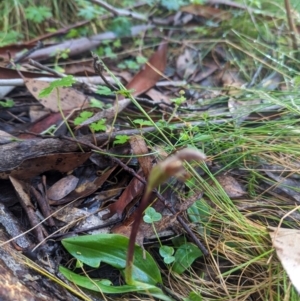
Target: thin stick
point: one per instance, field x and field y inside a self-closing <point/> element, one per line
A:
<point x="293" y="30"/>
<point x="27" y="53"/>
<point x="128" y="13"/>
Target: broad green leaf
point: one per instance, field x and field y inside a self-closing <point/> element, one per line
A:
<point x="185" y="256"/>
<point x="104" y="285"/>
<point x="112" y="249"/>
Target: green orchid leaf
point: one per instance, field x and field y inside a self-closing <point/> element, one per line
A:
<point x="112" y="249"/>
<point x="105" y="286"/>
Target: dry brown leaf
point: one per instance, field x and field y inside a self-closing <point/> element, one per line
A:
<point x="36" y="113"/>
<point x="81" y="219"/>
<point x="231" y="186"/>
<point x="85" y="189"/>
<point x="158" y="97"/>
<point x="25" y="201"/>
<point x="12" y="226"/>
<point x="70" y="98"/>
<point x="135" y="187"/>
<point x="287" y="245"/>
<point x="42" y="124"/>
<point x="207" y="12"/>
<point x="132" y="191"/>
<point x="151" y="73"/>
<point x="62" y="187"/>
<point x="140" y="149"/>
<point x="231" y="81"/>
<point x="185" y="64"/>
<point x="34" y="166"/>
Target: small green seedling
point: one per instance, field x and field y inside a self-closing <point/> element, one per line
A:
<point x="167" y="253"/>
<point x="67" y="81"/>
<point x="7" y="103"/>
<point x="95" y="126"/>
<point x="83" y="116"/>
<point x="142" y="122"/>
<point x="179" y="100"/>
<point x="38" y="14"/>
<point x="95" y="103"/>
<point x="121" y="139"/>
<point x="103" y="90"/>
<point x="99" y="125"/>
<point x="151" y="216"/>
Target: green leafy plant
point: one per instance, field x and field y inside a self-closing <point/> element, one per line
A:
<point x="129" y="64"/>
<point x="104" y="90"/>
<point x="178" y="102"/>
<point x="63" y="82"/>
<point x="184" y="256"/>
<point x="99" y="125"/>
<point x="67" y="81"/>
<point x="38" y="14"/>
<point x="151" y="216"/>
<point x="121" y="139"/>
<point x="142" y="122"/>
<point x="193" y="297"/>
<point x="7" y="103"/>
<point x="95" y="103"/>
<point x="167" y="253"/>
<point x="83" y="116"/>
<point x="88" y="11"/>
<point x="95" y="126"/>
<point x="199" y="214"/>
<point x="10" y="37"/>
<point x="94" y="250"/>
<point x="121" y="26"/>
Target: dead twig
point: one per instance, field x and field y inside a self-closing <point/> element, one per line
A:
<point x="90" y="87"/>
<point x="128" y="13"/>
<point x="99" y="68"/>
<point x="27" y="53"/>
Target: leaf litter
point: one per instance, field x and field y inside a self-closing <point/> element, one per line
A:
<point x="250" y="181"/>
